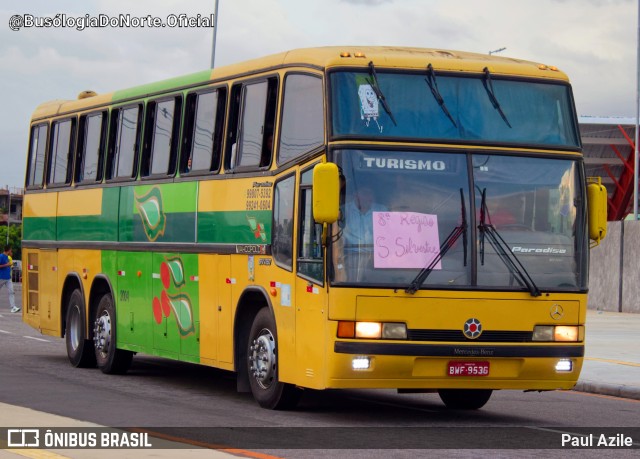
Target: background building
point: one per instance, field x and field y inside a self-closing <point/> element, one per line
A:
<point x="11" y="206"/>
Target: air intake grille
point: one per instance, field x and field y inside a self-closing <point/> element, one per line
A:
<point x="458" y="336"/>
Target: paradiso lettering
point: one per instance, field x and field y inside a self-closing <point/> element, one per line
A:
<point x="408" y="164"/>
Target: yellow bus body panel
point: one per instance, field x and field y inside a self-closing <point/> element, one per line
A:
<point x="40" y="205"/>
<point x="79" y="203"/>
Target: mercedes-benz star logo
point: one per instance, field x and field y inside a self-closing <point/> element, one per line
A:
<point x="472" y="328"/>
<point x="556" y="312"/>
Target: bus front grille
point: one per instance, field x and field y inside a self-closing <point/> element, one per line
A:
<point x="458" y="336"/>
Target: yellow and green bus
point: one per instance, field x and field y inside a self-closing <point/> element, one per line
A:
<point x="374" y="217"/>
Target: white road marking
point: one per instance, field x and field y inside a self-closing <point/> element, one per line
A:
<point x="37" y="339"/>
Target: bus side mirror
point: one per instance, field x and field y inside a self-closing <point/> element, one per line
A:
<point x="326" y="193"/>
<point x="597" y="199"/>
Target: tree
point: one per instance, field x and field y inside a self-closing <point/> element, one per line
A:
<point x="15" y="239"/>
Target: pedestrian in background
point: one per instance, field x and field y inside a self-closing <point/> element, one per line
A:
<point x="5" y="276"/>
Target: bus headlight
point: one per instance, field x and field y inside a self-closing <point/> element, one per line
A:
<point x="566" y="333"/>
<point x="557" y="333"/>
<point x="372" y="330"/>
<point x="542" y="333"/>
<point x="394" y="331"/>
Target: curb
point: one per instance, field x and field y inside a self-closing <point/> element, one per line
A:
<point x="614" y="390"/>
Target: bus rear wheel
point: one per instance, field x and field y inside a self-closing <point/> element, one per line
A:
<point x="79" y="348"/>
<point x="110" y="359"/>
<point x="465" y="399"/>
<point x="262" y="364"/>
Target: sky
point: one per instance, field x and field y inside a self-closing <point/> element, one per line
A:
<point x="593" y="41"/>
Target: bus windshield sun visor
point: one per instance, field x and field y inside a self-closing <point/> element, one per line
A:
<point x="460" y="230"/>
<point x="373" y="82"/>
<point x="502" y="249"/>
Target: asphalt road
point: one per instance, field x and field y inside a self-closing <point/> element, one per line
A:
<point x="201" y="404"/>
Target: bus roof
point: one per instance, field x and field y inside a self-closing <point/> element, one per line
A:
<point x="320" y="58"/>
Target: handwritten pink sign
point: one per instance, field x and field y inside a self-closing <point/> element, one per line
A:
<point x="405" y="240"/>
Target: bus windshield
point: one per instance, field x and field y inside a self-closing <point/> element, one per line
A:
<point x="399" y="209"/>
<point x="478" y="108"/>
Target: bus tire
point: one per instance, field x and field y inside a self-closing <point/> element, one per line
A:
<point x="465" y="399"/>
<point x="262" y="365"/>
<point x="79" y="348"/>
<point x="109" y="358"/>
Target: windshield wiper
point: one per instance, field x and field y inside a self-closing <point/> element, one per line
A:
<point x="373" y="82"/>
<point x="502" y="249"/>
<point x="433" y="85"/>
<point x="488" y="86"/>
<point x="451" y="239"/>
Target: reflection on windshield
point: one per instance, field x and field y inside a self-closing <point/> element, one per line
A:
<point x="399" y="207"/>
<point x="533" y="203"/>
<point x="476" y="109"/>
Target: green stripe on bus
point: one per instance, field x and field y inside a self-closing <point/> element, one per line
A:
<point x="235" y="227"/>
<point x="161" y="86"/>
<point x="39" y="228"/>
<point x="103" y="227"/>
<point x="93" y="228"/>
<point x="178" y="227"/>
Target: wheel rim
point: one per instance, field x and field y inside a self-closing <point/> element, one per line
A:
<point x="74" y="327"/>
<point x="102" y="333"/>
<point x="262" y="358"/>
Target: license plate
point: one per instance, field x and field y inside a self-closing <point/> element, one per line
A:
<point x="468" y="368"/>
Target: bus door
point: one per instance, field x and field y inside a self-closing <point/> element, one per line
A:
<point x="310" y="292"/>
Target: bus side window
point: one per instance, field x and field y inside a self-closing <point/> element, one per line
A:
<point x="252" y="124"/>
<point x="91" y="147"/>
<point x="62" y="147"/>
<point x="37" y="151"/>
<point x="162" y="130"/>
<point x="282" y="239"/>
<point x="203" y="128"/>
<point x="310" y="260"/>
<point x="302" y="128"/>
<point x="124" y="142"/>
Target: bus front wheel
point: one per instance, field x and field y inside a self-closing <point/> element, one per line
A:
<point x="110" y="359"/>
<point x="79" y="348"/>
<point x="262" y="364"/>
<point x="465" y="399"/>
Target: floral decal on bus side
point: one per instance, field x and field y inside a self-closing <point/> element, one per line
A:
<point x="149" y="206"/>
<point x="257" y="228"/>
<point x="172" y="298"/>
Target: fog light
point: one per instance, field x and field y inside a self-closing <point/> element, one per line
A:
<point x="361" y="363"/>
<point x="564" y="365"/>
